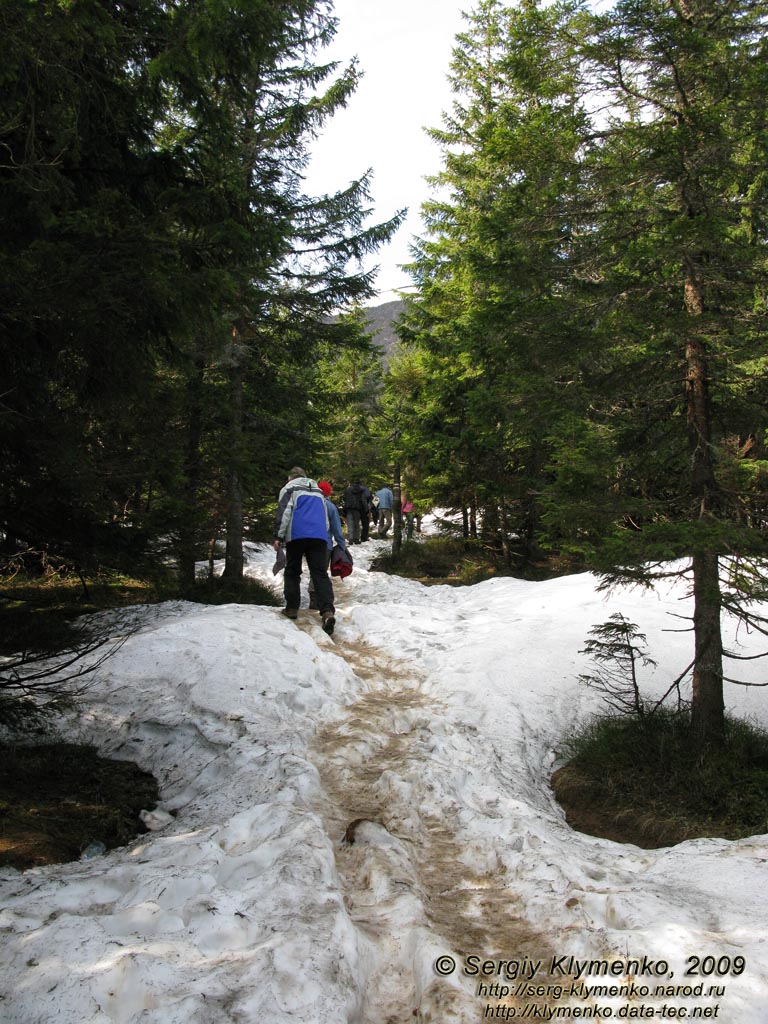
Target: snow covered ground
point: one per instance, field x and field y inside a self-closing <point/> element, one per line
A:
<point x="359" y="828"/>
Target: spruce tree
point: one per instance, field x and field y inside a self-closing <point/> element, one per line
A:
<point x="348" y="391"/>
<point x="495" y="306"/>
<point x="157" y="240"/>
<point x="673" y="439"/>
<point x="591" y="297"/>
<point x="93" y="282"/>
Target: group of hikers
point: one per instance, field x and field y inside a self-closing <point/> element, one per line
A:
<point x="363" y="508"/>
<point x="308" y="525"/>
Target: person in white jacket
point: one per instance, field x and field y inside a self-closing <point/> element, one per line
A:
<point x="302" y="525"/>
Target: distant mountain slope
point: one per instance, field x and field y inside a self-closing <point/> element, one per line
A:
<point x="381" y="321"/>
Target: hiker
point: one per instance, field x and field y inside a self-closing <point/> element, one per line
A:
<point x="373" y="508"/>
<point x="365" y="521"/>
<point x="355" y="505"/>
<point x="386" y="504"/>
<point x="408" y="510"/>
<point x="302" y="524"/>
<point x="335" y="536"/>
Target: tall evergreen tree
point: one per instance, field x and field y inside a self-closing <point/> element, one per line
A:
<point x="591" y="294"/>
<point x="86" y="232"/>
<point x="348" y="392"/>
<point x="673" y="440"/>
<point x="495" y="306"/>
<point x="293" y="252"/>
<point x="156" y="237"/>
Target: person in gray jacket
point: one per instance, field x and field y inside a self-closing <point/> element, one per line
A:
<point x="386" y="504"/>
<point x="302" y="525"/>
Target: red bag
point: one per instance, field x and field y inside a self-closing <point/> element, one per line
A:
<point x="341" y="562"/>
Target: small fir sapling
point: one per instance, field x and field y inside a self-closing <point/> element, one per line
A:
<point x="619" y="650"/>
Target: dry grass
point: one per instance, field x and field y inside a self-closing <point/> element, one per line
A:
<point x="644" y="781"/>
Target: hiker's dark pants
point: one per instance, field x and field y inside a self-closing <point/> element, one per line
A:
<point x="316" y="553"/>
<point x="312" y="596"/>
<point x="353" y="525"/>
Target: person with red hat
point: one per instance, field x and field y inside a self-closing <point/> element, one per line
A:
<point x="335" y="535"/>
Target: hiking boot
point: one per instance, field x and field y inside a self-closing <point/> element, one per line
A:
<point x="291" y="613"/>
<point x="329" y="621"/>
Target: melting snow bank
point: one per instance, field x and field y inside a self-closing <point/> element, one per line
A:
<point x="425" y="731"/>
<point x="220" y="915"/>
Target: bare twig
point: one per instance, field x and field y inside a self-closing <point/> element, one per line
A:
<point x="34" y="684"/>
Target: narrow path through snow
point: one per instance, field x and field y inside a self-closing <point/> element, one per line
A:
<point x="397" y="853"/>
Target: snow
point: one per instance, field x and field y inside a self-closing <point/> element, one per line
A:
<point x="425" y="731"/>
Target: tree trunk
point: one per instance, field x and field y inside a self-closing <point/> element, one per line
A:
<point x="188" y="534"/>
<point x="397" y="513"/>
<point x="504" y="533"/>
<point x="490" y="528"/>
<point x="707" y="710"/>
<point x="233" y="558"/>
<point x="212" y="557"/>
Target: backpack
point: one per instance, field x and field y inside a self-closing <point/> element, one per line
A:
<point x="341" y="562"/>
<point x="355" y="498"/>
<point x="308" y="514"/>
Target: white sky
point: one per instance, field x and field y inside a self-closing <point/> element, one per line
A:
<point x="404" y="49"/>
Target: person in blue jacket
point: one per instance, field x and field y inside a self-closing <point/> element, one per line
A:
<point x="302" y="524"/>
<point x="335" y="535"/>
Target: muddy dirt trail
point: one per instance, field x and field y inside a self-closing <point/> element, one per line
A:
<point x="405" y="885"/>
